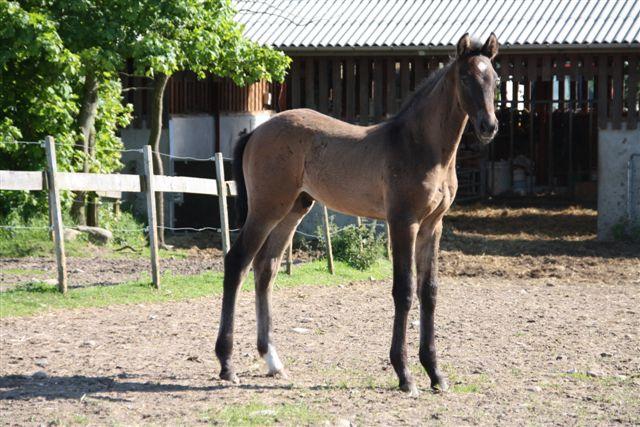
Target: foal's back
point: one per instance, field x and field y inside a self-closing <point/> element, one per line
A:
<point x="335" y="162"/>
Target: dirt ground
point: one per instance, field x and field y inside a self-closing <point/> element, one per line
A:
<point x="536" y="324"/>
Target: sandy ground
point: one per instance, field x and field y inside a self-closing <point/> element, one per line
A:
<point x="537" y="324"/>
<point x="516" y="352"/>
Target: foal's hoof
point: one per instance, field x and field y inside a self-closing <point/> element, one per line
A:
<point x="439" y="386"/>
<point x="229" y="376"/>
<point x="278" y="374"/>
<point x="410" y="389"/>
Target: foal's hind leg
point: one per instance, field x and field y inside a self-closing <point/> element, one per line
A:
<point x="265" y="266"/>
<point x="236" y="266"/>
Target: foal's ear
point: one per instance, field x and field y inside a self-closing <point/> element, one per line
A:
<point x="490" y="48"/>
<point x="464" y="44"/>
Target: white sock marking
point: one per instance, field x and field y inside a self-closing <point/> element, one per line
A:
<point x="273" y="361"/>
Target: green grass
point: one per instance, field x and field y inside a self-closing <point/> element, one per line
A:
<point x="257" y="413"/>
<point x="23" y="271"/>
<point x="35" y="298"/>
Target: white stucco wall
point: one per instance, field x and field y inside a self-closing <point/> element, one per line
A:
<point x="618" y="193"/>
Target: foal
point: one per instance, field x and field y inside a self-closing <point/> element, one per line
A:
<point x="402" y="171"/>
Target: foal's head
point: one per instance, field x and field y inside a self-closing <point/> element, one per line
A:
<point x="476" y="84"/>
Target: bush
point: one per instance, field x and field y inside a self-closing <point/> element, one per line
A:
<point x="359" y="247"/>
<point x="626" y="231"/>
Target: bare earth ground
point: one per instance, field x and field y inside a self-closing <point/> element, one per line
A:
<point x="537" y="324"/>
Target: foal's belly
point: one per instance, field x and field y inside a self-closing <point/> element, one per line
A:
<point x="345" y="177"/>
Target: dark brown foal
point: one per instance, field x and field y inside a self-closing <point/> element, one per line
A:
<point x="402" y="171"/>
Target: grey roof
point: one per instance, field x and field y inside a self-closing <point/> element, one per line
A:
<point x="300" y="24"/>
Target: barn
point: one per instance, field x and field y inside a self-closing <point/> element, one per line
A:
<point x="567" y="102"/>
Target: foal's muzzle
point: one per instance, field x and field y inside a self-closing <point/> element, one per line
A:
<point x="486" y="128"/>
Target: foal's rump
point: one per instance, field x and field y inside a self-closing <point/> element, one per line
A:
<point x="297" y="151"/>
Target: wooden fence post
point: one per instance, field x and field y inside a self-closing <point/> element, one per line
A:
<point x="388" y="240"/>
<point x="359" y="224"/>
<point x="222" y="203"/>
<point x="56" y="213"/>
<point x="289" y="257"/>
<point x="151" y="213"/>
<point x="327" y="238"/>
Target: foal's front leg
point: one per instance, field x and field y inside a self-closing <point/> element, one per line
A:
<point x="403" y="237"/>
<point x="427" y="271"/>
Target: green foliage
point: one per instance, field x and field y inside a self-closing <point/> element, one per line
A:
<point x="43" y="63"/>
<point x="359" y="247"/>
<point x="626" y="231"/>
<point x="22" y="242"/>
<point x="201" y="36"/>
<point x="37" y="77"/>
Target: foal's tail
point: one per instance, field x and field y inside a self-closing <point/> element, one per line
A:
<point x="238" y="176"/>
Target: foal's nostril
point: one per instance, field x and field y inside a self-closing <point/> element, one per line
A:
<point x="487" y="127"/>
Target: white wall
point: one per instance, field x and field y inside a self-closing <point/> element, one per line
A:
<point x="192" y="136"/>
<point x="615" y="148"/>
<point x="231" y="125"/>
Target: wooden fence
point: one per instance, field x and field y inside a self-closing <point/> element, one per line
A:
<point x="54" y="181"/>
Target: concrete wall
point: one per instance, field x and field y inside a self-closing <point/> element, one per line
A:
<point x="231" y="125"/>
<point x="615" y="148"/>
<point x="186" y="136"/>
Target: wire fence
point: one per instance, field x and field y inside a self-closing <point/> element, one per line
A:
<point x="107" y="183"/>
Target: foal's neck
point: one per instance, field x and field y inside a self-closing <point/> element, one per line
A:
<point x="442" y="117"/>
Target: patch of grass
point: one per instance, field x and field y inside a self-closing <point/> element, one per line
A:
<point x="465" y="384"/>
<point x="34" y="298"/>
<point x="257" y="413"/>
<point x="23" y="271"/>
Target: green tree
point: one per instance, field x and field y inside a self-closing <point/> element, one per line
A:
<point x="37" y="78"/>
<point x="100" y="33"/>
<point x="200" y="36"/>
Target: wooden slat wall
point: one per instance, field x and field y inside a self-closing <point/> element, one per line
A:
<point x="364" y="68"/>
<point x="385" y="82"/>
<point x="632" y="95"/>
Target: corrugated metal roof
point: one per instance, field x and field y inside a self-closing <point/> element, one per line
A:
<point x="438" y="23"/>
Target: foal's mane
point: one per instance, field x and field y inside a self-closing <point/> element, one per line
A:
<point x="428" y="84"/>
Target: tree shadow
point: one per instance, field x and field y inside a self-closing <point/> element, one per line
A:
<point x="21" y="387"/>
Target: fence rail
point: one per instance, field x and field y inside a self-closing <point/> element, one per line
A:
<point x="54" y="181"/>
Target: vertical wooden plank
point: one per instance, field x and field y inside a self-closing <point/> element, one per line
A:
<point x="350" y="85"/>
<point x="378" y="92"/>
<point x="546" y="68"/>
<point x="532" y="68"/>
<point x="603" y="91"/>
<point x="388" y="231"/>
<point x="390" y="89"/>
<point x="618" y="95"/>
<point x="309" y="83"/>
<point x="56" y="213"/>
<point x="336" y="89"/>
<point x="289" y="257"/>
<point x="151" y="214"/>
<point x="363" y="71"/>
<point x="323" y="86"/>
<point x="419" y="70"/>
<point x="327" y="238"/>
<point x="222" y="203"/>
<point x="405" y="79"/>
<point x="632" y="93"/>
<point x="295" y="83"/>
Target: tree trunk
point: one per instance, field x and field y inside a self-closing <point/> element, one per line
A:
<point x="92" y="198"/>
<point x="86" y="121"/>
<point x="159" y="85"/>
